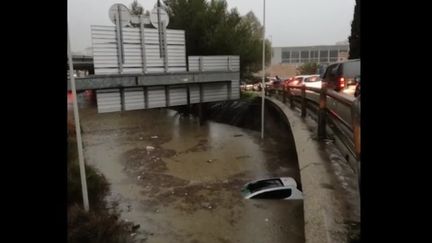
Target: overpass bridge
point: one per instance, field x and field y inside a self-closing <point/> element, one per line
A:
<point x="117" y="92"/>
<point x="83" y="62"/>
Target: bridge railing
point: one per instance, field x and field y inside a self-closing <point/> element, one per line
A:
<point x="338" y="111"/>
<point x="214" y="63"/>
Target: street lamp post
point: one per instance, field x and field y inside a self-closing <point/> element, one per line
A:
<point x="78" y="130"/>
<point x="263" y="76"/>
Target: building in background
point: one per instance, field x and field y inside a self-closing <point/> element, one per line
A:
<point x="299" y="55"/>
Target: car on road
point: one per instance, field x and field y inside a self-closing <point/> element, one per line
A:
<point x="314" y="81"/>
<point x="284" y="188"/>
<point x="309" y="81"/>
<point x="246" y="86"/>
<point x="339" y="76"/>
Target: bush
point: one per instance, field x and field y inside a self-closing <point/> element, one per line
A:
<point x="100" y="227"/>
<point x="101" y="224"/>
<point x="97" y="186"/>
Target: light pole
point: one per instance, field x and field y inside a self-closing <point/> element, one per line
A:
<point x="263" y="76"/>
<point x="78" y="130"/>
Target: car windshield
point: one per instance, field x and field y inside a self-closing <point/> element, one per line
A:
<point x="259" y="185"/>
<point x="313" y="79"/>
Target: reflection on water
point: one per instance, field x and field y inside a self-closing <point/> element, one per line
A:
<point x="181" y="182"/>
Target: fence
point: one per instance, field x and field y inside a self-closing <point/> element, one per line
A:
<point x="333" y="109"/>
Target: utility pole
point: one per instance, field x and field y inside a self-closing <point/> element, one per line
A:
<point x="263" y="77"/>
<point x="78" y="130"/>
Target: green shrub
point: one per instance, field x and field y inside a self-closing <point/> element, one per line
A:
<point x="96" y="227"/>
<point x="97" y="186"/>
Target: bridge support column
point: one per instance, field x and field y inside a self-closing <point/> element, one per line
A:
<point x="200" y="114"/>
<point x="200" y="111"/>
<point x="122" y="99"/>
<point x="188" y="110"/>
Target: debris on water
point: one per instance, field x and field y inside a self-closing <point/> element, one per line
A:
<point x="149" y="148"/>
<point x="266" y="219"/>
<point x="135" y="227"/>
<point x="139" y="178"/>
<point x="206" y="205"/>
<point x="154" y="136"/>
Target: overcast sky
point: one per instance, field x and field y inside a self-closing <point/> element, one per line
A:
<point x="288" y="22"/>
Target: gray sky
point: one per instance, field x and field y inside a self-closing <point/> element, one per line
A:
<point x="288" y="22"/>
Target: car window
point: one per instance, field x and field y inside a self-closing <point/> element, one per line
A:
<point x="330" y="71"/>
<point x="259" y="185"/>
<point x="312" y="79"/>
<point x="276" y="194"/>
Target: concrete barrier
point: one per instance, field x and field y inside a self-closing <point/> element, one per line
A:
<point x="324" y="207"/>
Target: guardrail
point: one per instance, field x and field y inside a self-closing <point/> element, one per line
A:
<point x="346" y="126"/>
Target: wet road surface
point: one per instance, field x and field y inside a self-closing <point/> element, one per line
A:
<point x="181" y="182"/>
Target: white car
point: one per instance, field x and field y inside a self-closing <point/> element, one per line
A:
<point x="313" y="81"/>
<point x="284" y="188"/>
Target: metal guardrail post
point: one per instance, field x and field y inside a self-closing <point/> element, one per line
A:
<point x="355" y="114"/>
<point x="284" y="94"/>
<point x="291" y="98"/>
<point x="322" y="113"/>
<point x="303" y="107"/>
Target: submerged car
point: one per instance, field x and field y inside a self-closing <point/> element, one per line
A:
<point x="284" y="188"/>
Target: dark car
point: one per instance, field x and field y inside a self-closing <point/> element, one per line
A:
<point x="339" y="75"/>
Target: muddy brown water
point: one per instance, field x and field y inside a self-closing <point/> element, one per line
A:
<point x="181" y="181"/>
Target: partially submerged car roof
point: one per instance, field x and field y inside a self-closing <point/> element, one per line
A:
<point x="288" y="181"/>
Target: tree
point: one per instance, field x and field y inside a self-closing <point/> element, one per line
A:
<point x="213" y="30"/>
<point x="308" y="68"/>
<point x="354" y="39"/>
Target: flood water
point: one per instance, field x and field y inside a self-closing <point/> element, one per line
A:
<point x="181" y="181"/>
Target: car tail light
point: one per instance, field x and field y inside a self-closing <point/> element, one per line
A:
<point x="342" y="83"/>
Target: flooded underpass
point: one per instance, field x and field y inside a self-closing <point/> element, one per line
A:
<point x="181" y="181"/>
